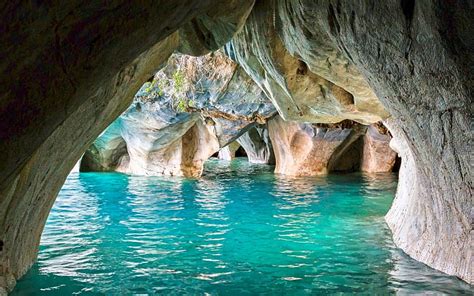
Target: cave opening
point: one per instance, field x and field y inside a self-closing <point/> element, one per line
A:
<point x="158" y="139"/>
<point x="310" y="140"/>
<point x="240" y="152"/>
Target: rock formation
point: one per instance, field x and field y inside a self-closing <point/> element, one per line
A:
<point x="256" y="143"/>
<point x="107" y="152"/>
<point x="377" y="156"/>
<point x="381" y="48"/>
<point x="298" y="92"/>
<point x="188" y="92"/>
<point x="303" y="149"/>
<point x="72" y="69"/>
<point x="228" y="152"/>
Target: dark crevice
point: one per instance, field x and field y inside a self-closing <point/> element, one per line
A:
<point x="332" y="20"/>
<point x="352" y="22"/>
<point x="302" y="68"/>
<point x="241" y="152"/>
<point x="205" y="37"/>
<point x="349" y="99"/>
<point x="398" y="163"/>
<point x="408" y="7"/>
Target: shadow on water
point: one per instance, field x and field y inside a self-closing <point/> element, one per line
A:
<point x="239" y="229"/>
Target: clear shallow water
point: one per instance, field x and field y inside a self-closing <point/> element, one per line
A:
<point x="238" y="230"/>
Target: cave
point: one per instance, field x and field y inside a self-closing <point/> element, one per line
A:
<point x="240" y="152"/>
<point x="327" y="99"/>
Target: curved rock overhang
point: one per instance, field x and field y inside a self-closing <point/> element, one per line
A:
<point x="74" y="67"/>
<point x="411" y="61"/>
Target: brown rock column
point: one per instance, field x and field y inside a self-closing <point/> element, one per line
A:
<point x="377" y="156"/>
<point x="198" y="144"/>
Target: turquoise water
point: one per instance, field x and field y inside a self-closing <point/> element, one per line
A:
<point x="239" y="230"/>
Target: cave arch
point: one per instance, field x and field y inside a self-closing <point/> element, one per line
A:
<point x="82" y="71"/>
<point x="98" y="65"/>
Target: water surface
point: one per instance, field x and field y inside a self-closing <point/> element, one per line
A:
<point x="239" y="230"/>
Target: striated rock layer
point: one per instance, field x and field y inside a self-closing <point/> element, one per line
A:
<point x="257" y="144"/>
<point x="107" y="152"/>
<point x="411" y="60"/>
<point x="300" y="89"/>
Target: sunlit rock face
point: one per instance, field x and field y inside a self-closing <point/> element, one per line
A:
<point x="211" y="89"/>
<point x="377" y="156"/>
<point x="153" y="143"/>
<point x="228" y="152"/>
<point x="257" y="144"/>
<point x="184" y="156"/>
<point x="72" y="69"/>
<point x="66" y="85"/>
<point x="303" y="149"/>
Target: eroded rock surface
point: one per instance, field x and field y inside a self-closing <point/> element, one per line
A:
<point x="377" y="156"/>
<point x="73" y="68"/>
<point x="429" y="97"/>
<point x="185" y="156"/>
<point x="212" y="89"/>
<point x="303" y="149"/>
<point x="65" y="85"/>
<point x="106" y="153"/>
<point x="257" y="144"/>
<point x="228" y="152"/>
<point x="322" y="86"/>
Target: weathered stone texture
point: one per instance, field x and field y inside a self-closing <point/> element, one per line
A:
<point x="257" y="144"/>
<point x="299" y="88"/>
<point x="303" y="149"/>
<point x="73" y="67"/>
<point x="212" y="87"/>
<point x="377" y="156"/>
<point x="228" y="152"/>
<point x="417" y="57"/>
<point x="107" y="151"/>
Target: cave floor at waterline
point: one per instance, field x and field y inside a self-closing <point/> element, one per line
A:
<point x="238" y="230"/>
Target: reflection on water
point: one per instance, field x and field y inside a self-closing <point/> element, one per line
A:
<point x="238" y="230"/>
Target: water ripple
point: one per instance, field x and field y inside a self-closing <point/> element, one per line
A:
<point x="239" y="230"/>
